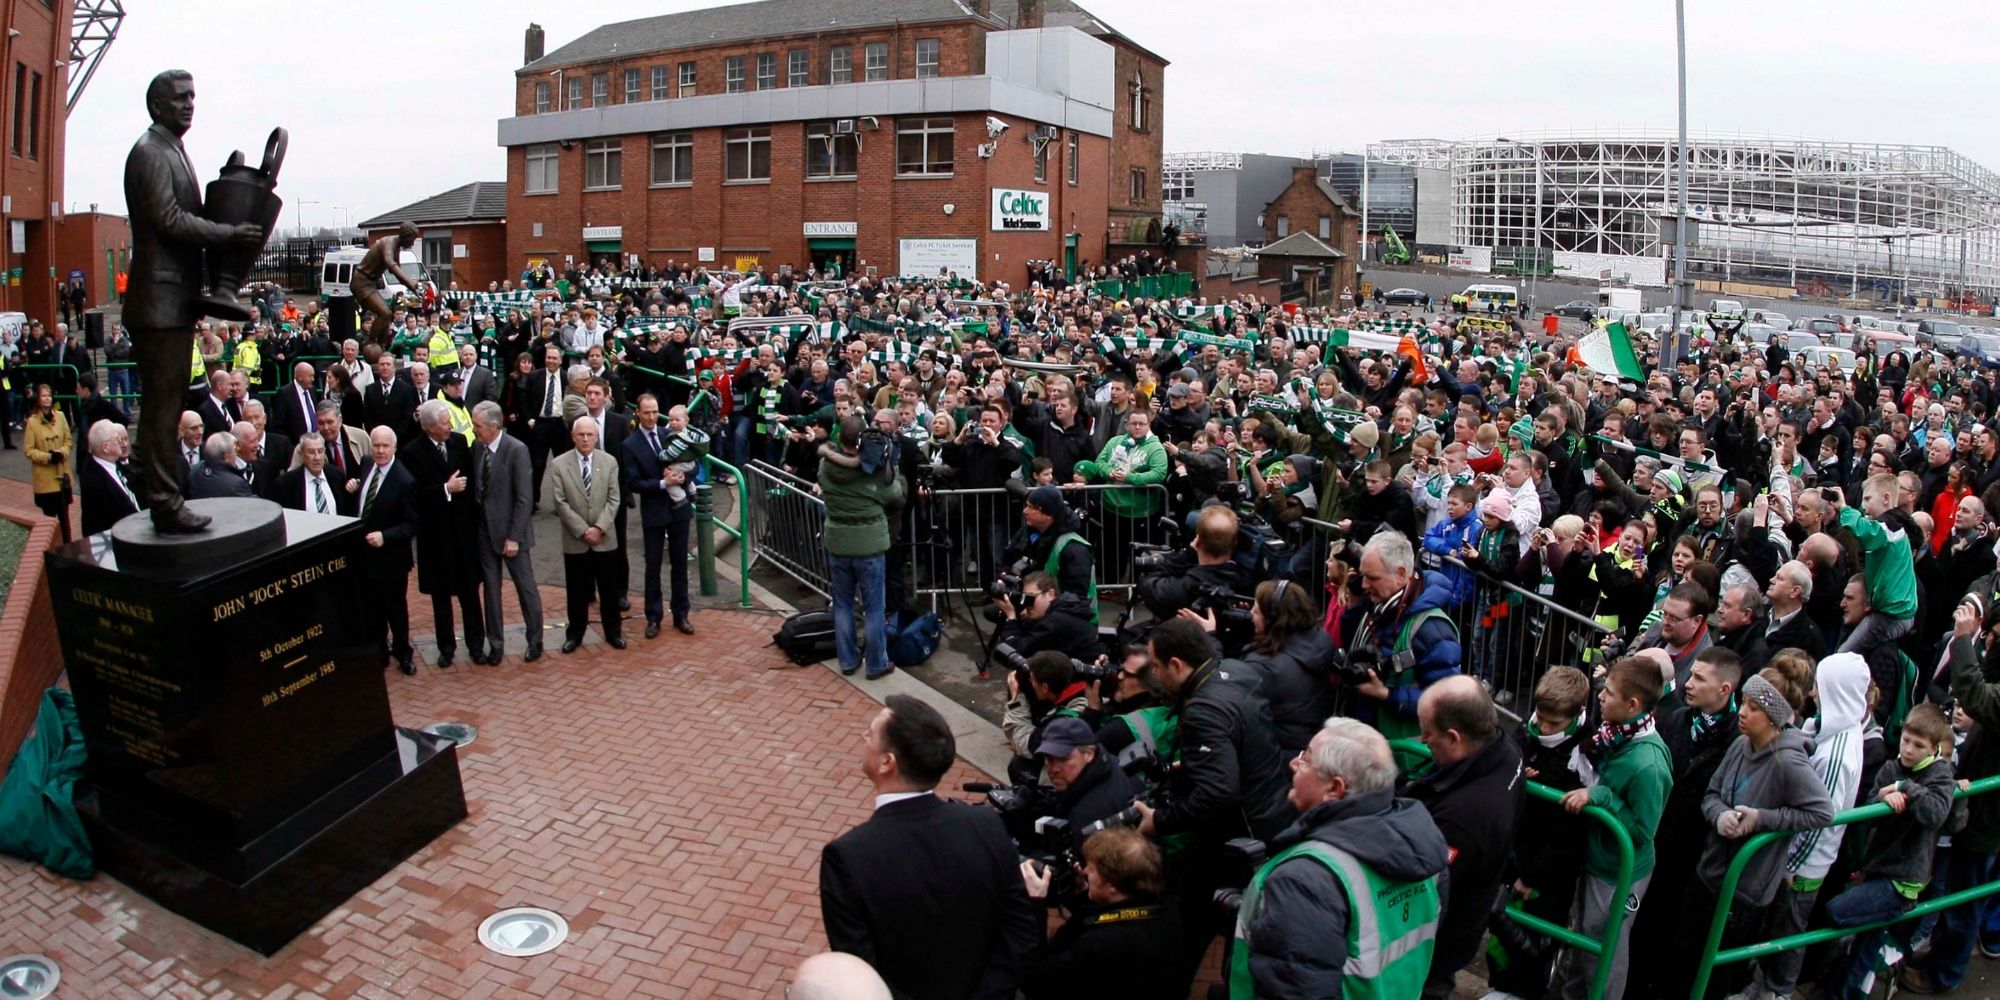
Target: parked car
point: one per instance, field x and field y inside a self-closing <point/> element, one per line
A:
<point x="1771" y="317"/>
<point x="1981" y="347"/>
<point x="1799" y="340"/>
<point x="1941" y="334"/>
<point x="1578" y="309"/>
<point x="1758" y="333"/>
<point x="1826" y="326"/>
<point x="1839" y="358"/>
<point x="1402" y="297"/>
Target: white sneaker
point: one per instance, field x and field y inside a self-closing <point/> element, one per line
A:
<point x="1752" y="992"/>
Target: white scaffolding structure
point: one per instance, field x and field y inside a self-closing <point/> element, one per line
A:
<point x="1854" y="218"/>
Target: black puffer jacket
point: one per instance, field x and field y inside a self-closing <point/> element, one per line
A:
<point x="1295" y="684"/>
<point x="1181" y="578"/>
<point x="1474" y="803"/>
<point x="1232" y="781"/>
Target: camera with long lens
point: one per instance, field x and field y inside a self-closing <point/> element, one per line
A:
<point x="1013" y="659"/>
<point x="1028" y="813"/>
<point x="1235" y="493"/>
<point x="1352" y="666"/>
<point x="1154" y="774"/>
<point x="1241" y="857"/>
<point x="1008" y="588"/>
<point x="1233" y="627"/>
<point x="1149" y="558"/>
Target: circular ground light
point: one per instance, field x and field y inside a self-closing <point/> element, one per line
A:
<point x="460" y="733"/>
<point x="523" y="931"/>
<point x="28" y="977"/>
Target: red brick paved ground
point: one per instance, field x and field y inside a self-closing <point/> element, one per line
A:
<point x="670" y="801"/>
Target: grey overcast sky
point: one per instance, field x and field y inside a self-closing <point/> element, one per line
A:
<point x="391" y="102"/>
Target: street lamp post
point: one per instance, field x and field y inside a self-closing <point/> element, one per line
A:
<point x="1670" y="346"/>
<point x="300" y="215"/>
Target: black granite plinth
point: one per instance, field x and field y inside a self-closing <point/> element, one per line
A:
<point x="237" y="722"/>
<point x="238" y="530"/>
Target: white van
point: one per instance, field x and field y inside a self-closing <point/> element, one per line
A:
<point x="336" y="270"/>
<point x="1492" y="298"/>
<point x="1614" y="301"/>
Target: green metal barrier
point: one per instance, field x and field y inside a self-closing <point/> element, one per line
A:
<point x="704" y="522"/>
<point x="1712" y="954"/>
<point x="60" y="397"/>
<point x="119" y="366"/>
<point x="1420" y="755"/>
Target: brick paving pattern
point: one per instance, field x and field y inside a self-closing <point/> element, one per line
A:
<point x="670" y="801"/>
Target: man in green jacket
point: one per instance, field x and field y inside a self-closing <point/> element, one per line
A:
<point x="1132" y="459"/>
<point x="858" y="514"/>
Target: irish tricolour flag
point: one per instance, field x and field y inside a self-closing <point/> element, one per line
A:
<point x="1378" y="343"/>
<point x="1609" y="352"/>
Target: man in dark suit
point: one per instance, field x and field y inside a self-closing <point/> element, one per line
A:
<point x="293" y="406"/>
<point x="220" y="473"/>
<point x="385" y="496"/>
<point x="259" y="469"/>
<point x="314" y="487"/>
<point x="103" y="480"/>
<point x="163" y="200"/>
<point x="389" y="401"/>
<point x="218" y="409"/>
<point x="926" y="891"/>
<point x="547" y="431"/>
<point x="478" y="380"/>
<point x="611" y="430"/>
<point x="506" y="536"/>
<point x="346" y="445"/>
<point x="447" y="530"/>
<point x="666" y="505"/>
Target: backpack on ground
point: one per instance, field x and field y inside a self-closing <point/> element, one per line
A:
<point x="914" y="638"/>
<point x="806" y="636"/>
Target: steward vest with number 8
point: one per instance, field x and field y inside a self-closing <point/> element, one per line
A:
<point x="1391" y="927"/>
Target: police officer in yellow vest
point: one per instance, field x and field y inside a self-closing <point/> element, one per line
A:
<point x="443" y="349"/>
<point x="452" y="394"/>
<point x="249" y="359"/>
<point x="1348" y="904"/>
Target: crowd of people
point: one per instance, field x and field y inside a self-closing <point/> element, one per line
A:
<point x="1788" y="571"/>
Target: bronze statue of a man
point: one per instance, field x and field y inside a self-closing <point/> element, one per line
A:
<point x="366" y="282"/>
<point x="168" y="237"/>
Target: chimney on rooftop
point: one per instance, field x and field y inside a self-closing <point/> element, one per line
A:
<point x="1028" y="14"/>
<point x="532" y="47"/>
<point x="982" y="8"/>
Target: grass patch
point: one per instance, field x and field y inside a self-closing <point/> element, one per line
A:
<point x="13" y="538"/>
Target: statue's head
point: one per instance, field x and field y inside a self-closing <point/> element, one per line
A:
<point x="170" y="100"/>
<point x="407" y="234"/>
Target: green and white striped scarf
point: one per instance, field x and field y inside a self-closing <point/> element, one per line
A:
<point x="1225" y="343"/>
<point x="1190" y="312"/>
<point x="1130" y="344"/>
<point x="695" y="354"/>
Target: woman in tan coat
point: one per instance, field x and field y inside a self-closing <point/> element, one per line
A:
<point x="47" y="443"/>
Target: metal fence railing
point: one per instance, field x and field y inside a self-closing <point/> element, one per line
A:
<point x="1413" y="756"/>
<point x="958" y="535"/>
<point x="783" y="520"/>
<point x="1713" y="954"/>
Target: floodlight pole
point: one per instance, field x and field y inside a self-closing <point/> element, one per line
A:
<point x="1671" y="343"/>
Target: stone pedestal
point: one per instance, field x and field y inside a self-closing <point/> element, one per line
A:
<point x="244" y="770"/>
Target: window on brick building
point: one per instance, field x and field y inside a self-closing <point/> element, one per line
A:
<point x="1284" y="226"/>
<point x="687" y="80"/>
<point x="542" y="161"/>
<point x="877" y="56"/>
<point x="927" y="57"/>
<point x="1071" y="158"/>
<point x="1139" y="193"/>
<point x="924" y="147"/>
<point x="798" y="68"/>
<point x="840" y="64"/>
<point x="1139" y="100"/>
<point x="35" y="118"/>
<point x="747" y="154"/>
<point x="659" y="83"/>
<point x="1042" y="161"/>
<point x="542" y="100"/>
<point x="1326" y="227"/>
<point x="673" y="158"/>
<point x="831" y="153"/>
<point x="634" y="88"/>
<point x="602" y="164"/>
<point x="732" y="75"/>
<point x="20" y="106"/>
<point x="575" y="93"/>
<point x="600" y="89"/>
<point x="767" y="70"/>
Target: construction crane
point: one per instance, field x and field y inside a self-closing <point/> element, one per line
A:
<point x="1396" y="252"/>
<point x="91" y="33"/>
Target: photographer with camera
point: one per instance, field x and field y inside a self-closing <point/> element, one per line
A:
<point x="1402" y="637"/>
<point x="1044" y="692"/>
<point x="1170" y="581"/>
<point x="1122" y="942"/>
<point x="1230" y="782"/>
<point x="1136" y="718"/>
<point x="1047" y="619"/>
<point x="1089" y="785"/>
<point x="1050" y="539"/>
<point x="1321" y="919"/>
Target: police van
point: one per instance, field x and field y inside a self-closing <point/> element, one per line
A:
<point x="1492" y="298"/>
<point x="336" y="271"/>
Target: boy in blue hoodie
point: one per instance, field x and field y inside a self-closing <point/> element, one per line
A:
<point x="1458" y="531"/>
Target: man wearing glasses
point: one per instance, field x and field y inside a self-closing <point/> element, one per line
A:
<point x="1683" y="629"/>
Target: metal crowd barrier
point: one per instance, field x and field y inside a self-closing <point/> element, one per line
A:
<point x="957" y="537"/>
<point x="1713" y="954"/>
<point x="783" y="519"/>
<point x="54" y="384"/>
<point x="1412" y="756"/>
<point x="705" y="524"/>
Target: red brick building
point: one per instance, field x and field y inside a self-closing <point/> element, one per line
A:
<point x="464" y="234"/>
<point x="1325" y="227"/>
<point x="906" y="137"/>
<point x="95" y="243"/>
<point x="32" y="91"/>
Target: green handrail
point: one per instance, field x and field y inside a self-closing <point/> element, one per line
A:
<point x="742" y="513"/>
<point x="1614" y="920"/>
<point x="1712" y="955"/>
<point x="108" y="365"/>
<point x="57" y="396"/>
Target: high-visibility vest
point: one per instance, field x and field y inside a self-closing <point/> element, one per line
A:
<point x="1391" y="926"/>
<point x="461" y="419"/>
<point x="250" y="361"/>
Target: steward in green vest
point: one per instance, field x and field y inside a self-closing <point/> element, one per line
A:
<point x="1409" y="638"/>
<point x="1050" y="539"/>
<point x="443" y="352"/>
<point x="1348" y="905"/>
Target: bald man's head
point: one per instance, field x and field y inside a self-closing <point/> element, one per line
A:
<point x="1819" y="551"/>
<point x="1456" y="719"/>
<point x="836" y="975"/>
